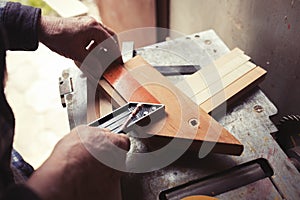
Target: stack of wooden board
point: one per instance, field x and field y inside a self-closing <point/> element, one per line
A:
<point x="228" y="76"/>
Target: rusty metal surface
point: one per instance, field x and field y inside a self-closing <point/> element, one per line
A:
<point x="248" y="120"/>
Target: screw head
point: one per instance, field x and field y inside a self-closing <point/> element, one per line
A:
<point x="258" y="108"/>
<point x="208" y="42"/>
<point x="194" y="122"/>
<point x="65" y="74"/>
<point x="69" y="97"/>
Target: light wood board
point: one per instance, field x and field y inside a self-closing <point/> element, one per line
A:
<point x="213" y="78"/>
<point x="235" y="90"/>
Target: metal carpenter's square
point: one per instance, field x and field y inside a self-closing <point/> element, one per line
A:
<point x="126" y="117"/>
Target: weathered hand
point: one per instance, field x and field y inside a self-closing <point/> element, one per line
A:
<point x="70" y="36"/>
<point x="71" y="172"/>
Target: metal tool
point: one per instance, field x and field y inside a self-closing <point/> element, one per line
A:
<point x="219" y="183"/>
<point x="124" y="118"/>
<point x="129" y="52"/>
<point x="65" y="87"/>
<point x="131" y="116"/>
<point x="176" y="70"/>
<point x="288" y="137"/>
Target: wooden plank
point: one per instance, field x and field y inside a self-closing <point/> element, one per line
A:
<point x="222" y="83"/>
<point x="212" y="73"/>
<point x="105" y="104"/>
<point x="111" y="92"/>
<point x="180" y="110"/>
<point x="246" y="82"/>
<point x="127" y="86"/>
<point x="93" y="107"/>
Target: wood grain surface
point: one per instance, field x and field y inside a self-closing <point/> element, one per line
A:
<point x="235" y="90"/>
<point x="140" y="78"/>
<point x="127" y="86"/>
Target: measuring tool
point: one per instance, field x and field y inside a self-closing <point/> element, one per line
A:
<point x="124" y="118"/>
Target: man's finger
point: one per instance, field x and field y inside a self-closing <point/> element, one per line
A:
<point x="120" y="140"/>
<point x="112" y="33"/>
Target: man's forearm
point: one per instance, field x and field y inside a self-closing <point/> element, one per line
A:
<point x="21" y="26"/>
<point x="20" y="192"/>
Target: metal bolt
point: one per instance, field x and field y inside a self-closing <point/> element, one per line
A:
<point x="69" y="97"/>
<point x="193" y="122"/>
<point x="153" y="108"/>
<point x="258" y="108"/>
<point x="208" y="42"/>
<point x="65" y="74"/>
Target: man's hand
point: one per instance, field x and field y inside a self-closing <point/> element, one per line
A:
<point x="71" y="172"/>
<point x="70" y="37"/>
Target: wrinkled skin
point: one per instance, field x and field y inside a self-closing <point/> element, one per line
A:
<point x="71" y="172"/>
<point x="70" y="36"/>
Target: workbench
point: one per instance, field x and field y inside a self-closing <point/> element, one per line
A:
<point x="248" y="120"/>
